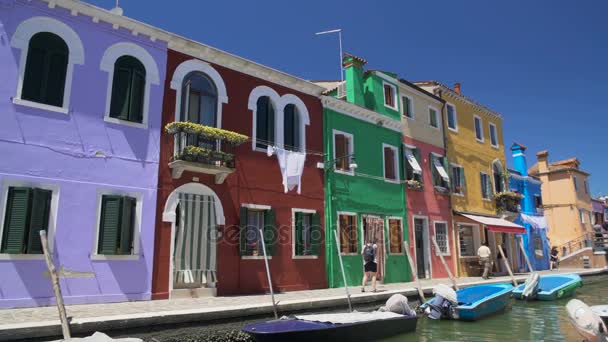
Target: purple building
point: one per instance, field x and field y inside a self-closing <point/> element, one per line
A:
<point x="80" y="111"/>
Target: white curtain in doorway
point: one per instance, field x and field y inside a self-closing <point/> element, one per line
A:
<point x="195" y="240"/>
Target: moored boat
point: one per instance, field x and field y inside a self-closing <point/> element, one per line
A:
<point x="474" y="303"/>
<point x="394" y="319"/>
<point x="590" y="322"/>
<point x="550" y="287"/>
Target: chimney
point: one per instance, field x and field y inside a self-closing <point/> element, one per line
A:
<point x="353" y="70"/>
<point x="520" y="163"/>
<point x="543" y="163"/>
<point x="457" y="88"/>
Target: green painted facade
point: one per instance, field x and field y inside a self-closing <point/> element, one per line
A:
<point x="366" y="191"/>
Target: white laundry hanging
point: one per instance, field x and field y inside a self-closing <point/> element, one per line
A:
<point x="538" y="222"/>
<point x="291" y="165"/>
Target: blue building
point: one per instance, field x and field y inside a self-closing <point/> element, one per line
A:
<point x="531" y="212"/>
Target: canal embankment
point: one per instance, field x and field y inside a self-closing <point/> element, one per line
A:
<point x="33" y="323"/>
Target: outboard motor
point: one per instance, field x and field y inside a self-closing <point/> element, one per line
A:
<point x="531" y="286"/>
<point x="587" y="323"/>
<point x="442" y="306"/>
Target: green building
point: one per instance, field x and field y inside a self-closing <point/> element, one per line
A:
<point x="364" y="188"/>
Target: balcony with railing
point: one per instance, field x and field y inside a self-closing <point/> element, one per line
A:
<point x="203" y="149"/>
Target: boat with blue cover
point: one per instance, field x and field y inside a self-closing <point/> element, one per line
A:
<point x="550" y="287"/>
<point x="471" y="303"/>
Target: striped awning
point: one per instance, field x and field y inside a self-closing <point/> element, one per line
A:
<point x="496" y="224"/>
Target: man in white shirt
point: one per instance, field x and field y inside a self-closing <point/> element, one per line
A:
<point x="484" y="254"/>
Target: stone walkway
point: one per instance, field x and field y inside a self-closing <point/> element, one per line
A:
<point x="12" y="320"/>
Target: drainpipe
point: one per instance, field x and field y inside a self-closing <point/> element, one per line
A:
<point x="328" y="202"/>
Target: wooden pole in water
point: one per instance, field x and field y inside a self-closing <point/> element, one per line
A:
<point x="504" y="259"/>
<point x="350" y="305"/>
<point x="523" y="250"/>
<point x="274" y="304"/>
<point x="65" y="326"/>
<point x="414" y="271"/>
<point x="445" y="264"/>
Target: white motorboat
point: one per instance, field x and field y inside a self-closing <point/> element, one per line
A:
<point x="590" y="322"/>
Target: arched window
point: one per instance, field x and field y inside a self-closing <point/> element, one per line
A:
<point x="265" y="122"/>
<point x="199" y="100"/>
<point x="45" y="69"/>
<point x="291" y="128"/>
<point x="128" y="89"/>
<point x="499" y="182"/>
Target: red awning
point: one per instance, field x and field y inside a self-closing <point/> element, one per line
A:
<point x="497" y="224"/>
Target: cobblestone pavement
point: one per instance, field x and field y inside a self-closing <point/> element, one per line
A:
<point x="160" y="307"/>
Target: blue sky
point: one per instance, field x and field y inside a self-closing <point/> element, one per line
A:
<point x="543" y="64"/>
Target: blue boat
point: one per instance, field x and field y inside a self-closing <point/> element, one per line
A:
<point x="552" y="287"/>
<point x="474" y="303"/>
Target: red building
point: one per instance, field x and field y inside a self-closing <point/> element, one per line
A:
<point x="214" y="195"/>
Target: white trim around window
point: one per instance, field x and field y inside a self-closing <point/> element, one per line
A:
<point x="293" y="233"/>
<point x="387" y="225"/>
<point x="256" y="206"/>
<point x="21" y="40"/>
<point x="136" y="227"/>
<point x="462" y="186"/>
<point x="437" y="116"/>
<point x="395" y="96"/>
<point x="351" y="150"/>
<point x="112" y="54"/>
<point x="411" y="107"/>
<point x="493" y="126"/>
<point x="359" y="230"/>
<point x="455" y="128"/>
<point x="447" y="237"/>
<point x="52" y="215"/>
<point x="489" y="191"/>
<point x="395" y="164"/>
<point x="476" y="119"/>
<point x="476" y="239"/>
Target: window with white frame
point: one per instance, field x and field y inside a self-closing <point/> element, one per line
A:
<point x="395" y="235"/>
<point x="441" y="179"/>
<point x="442" y="238"/>
<point x="27" y="211"/>
<point x="433" y="118"/>
<point x="118" y="225"/>
<point x="257" y="223"/>
<point x="493" y="135"/>
<point x="265" y="118"/>
<point x="499" y="176"/>
<point x="458" y="180"/>
<point x="390" y="96"/>
<point x="486" y="186"/>
<point x="413" y="171"/>
<point x="467" y="240"/>
<point x="479" y="129"/>
<point x="408" y="106"/>
<point x="348" y="232"/>
<point x="452" y="117"/>
<point x="307" y="233"/>
<point x="391" y="162"/>
<point x="581" y="213"/>
<point x="343" y="151"/>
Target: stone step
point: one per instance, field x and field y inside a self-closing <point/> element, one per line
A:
<point x="194" y="292"/>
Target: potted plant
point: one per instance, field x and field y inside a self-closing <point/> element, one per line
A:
<point x="413" y="184"/>
<point x="508" y="201"/>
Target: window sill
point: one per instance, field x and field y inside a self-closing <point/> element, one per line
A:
<point x="31" y="104"/>
<point x="344" y="172"/>
<point x="441" y="190"/>
<point x="393" y="181"/>
<point x="390" y="107"/>
<point x="395" y="254"/>
<point x="304" y="257"/>
<point x="480" y="141"/>
<point x="434" y="127"/>
<point x="455" y="130"/>
<point x="409" y="117"/>
<point x="495" y="147"/>
<point x="486" y="200"/>
<point x="21" y="256"/>
<point x="116" y="121"/>
<point x="458" y="194"/>
<point x="349" y="254"/>
<point x="444" y="254"/>
<point x="469" y="257"/>
<point x="99" y="257"/>
<point x="254" y="257"/>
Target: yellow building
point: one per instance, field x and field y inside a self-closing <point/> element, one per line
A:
<point x="475" y="149"/>
<point x="566" y="201"/>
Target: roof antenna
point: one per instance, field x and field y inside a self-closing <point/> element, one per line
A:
<point x="117" y="10"/>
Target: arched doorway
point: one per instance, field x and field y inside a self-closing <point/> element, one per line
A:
<point x="195" y="212"/>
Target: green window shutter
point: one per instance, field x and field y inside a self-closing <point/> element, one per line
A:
<point x="299" y="245"/>
<point x="16" y="220"/>
<point x="316" y="234"/>
<point x="127" y="226"/>
<point x="138" y="86"/>
<point x="270" y="231"/>
<point x="119" y="105"/>
<point x="243" y="231"/>
<point x="109" y="225"/>
<point x="39" y="219"/>
<point x="463" y="184"/>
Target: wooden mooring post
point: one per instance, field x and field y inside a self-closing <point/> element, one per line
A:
<point x="523" y="250"/>
<point x="414" y="271"/>
<point x="445" y="264"/>
<point x="506" y="261"/>
<point x="274" y="304"/>
<point x="350" y="305"/>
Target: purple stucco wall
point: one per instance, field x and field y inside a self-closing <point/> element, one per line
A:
<point x="81" y="155"/>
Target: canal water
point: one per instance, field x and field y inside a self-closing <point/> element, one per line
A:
<point x="523" y="321"/>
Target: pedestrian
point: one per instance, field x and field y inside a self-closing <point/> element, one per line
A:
<point x="370" y="264"/>
<point x="554" y="259"/>
<point x="484" y="254"/>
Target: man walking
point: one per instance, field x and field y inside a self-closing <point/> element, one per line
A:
<point x="370" y="264"/>
<point x="484" y="254"/>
